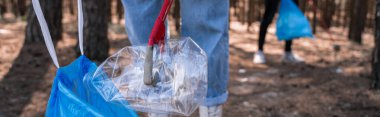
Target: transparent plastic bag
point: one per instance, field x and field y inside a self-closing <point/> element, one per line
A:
<point x="181" y="70"/>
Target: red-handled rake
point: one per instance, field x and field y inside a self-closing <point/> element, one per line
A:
<point x="157" y="37"/>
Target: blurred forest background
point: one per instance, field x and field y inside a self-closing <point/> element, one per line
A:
<point x="335" y="80"/>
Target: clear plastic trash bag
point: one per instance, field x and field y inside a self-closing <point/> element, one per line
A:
<point x="291" y="22"/>
<point x="181" y="70"/>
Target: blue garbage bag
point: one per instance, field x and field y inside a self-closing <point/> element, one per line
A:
<point x="71" y="96"/>
<point x="292" y="23"/>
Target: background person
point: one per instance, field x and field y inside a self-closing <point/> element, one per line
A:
<point x="270" y="10"/>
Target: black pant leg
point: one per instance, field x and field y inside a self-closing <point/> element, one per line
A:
<point x="288" y="44"/>
<point x="270" y="11"/>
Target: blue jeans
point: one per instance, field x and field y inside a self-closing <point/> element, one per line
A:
<point x="205" y="21"/>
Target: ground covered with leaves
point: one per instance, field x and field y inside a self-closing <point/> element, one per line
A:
<point x="329" y="82"/>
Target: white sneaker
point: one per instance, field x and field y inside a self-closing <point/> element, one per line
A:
<point x="211" y="111"/>
<point x="157" y="115"/>
<point x="290" y="57"/>
<point x="259" y="57"/>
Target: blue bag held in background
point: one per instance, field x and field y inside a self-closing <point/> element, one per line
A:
<point x="291" y="22"/>
<point x="71" y="96"/>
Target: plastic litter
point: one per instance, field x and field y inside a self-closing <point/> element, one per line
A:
<point x="292" y="23"/>
<point x="181" y="72"/>
<point x="161" y="78"/>
<point x="70" y="96"/>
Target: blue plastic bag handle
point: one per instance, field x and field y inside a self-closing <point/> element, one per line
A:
<point x="46" y="32"/>
<point x="80" y="26"/>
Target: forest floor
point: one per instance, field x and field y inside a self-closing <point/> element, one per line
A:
<point x="328" y="84"/>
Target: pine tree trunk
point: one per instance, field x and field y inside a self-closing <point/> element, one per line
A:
<point x="22" y="7"/>
<point x="251" y="13"/>
<point x="370" y="18"/>
<point x="2" y="9"/>
<point x="357" y="22"/>
<point x="177" y="15"/>
<point x="119" y="10"/>
<point x="347" y="12"/>
<point x="329" y="10"/>
<point x="261" y="9"/>
<point x="108" y="6"/>
<point x="339" y="13"/>
<point x="351" y="12"/>
<point x="315" y="16"/>
<point x="376" y="50"/>
<point x="233" y="4"/>
<point x="303" y="5"/>
<point x="95" y="35"/>
<point x="52" y="10"/>
<point x="71" y="7"/>
<point x="18" y="7"/>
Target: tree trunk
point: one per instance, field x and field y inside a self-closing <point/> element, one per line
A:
<point x="302" y="5"/>
<point x="242" y="12"/>
<point x="177" y="16"/>
<point x="357" y="22"/>
<point x="119" y="11"/>
<point x="251" y="13"/>
<point x="370" y="17"/>
<point x="2" y="8"/>
<point x="108" y="6"/>
<point x="351" y="13"/>
<point x="96" y="43"/>
<point x="233" y="4"/>
<point x="339" y="13"/>
<point x="261" y="9"/>
<point x="376" y="50"/>
<point x="52" y="10"/>
<point x="71" y="7"/>
<point x="22" y="8"/>
<point x="18" y="7"/>
<point x="328" y="13"/>
<point x="347" y="12"/>
<point x="315" y="16"/>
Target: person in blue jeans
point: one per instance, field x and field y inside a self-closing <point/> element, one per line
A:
<point x="206" y="22"/>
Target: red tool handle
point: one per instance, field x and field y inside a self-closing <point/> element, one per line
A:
<point x="157" y="36"/>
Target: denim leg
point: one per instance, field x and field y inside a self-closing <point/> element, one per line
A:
<point x="140" y="16"/>
<point x="206" y="22"/>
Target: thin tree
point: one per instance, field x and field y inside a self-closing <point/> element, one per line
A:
<point x="19" y="7"/>
<point x="251" y="13"/>
<point x="71" y="7"/>
<point x="376" y="50"/>
<point x="328" y="12"/>
<point x="357" y="20"/>
<point x="2" y="9"/>
<point x="52" y="10"/>
<point x="95" y="35"/>
<point x="119" y="11"/>
<point x="177" y="15"/>
<point x="315" y="2"/>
